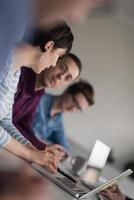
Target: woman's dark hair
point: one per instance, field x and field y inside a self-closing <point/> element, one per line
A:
<point x="76" y="60"/>
<point x="82" y="87"/>
<point x="60" y="34"/>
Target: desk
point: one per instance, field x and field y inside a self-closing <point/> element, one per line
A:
<point x="56" y="192"/>
<point x="127" y="185"/>
<point x="10" y="162"/>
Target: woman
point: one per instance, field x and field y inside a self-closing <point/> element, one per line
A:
<point x="40" y="51"/>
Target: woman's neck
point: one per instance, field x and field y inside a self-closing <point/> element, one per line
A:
<point x="25" y="55"/>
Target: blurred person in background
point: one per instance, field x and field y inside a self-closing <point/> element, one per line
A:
<point x="27" y="98"/>
<point x="48" y="120"/>
<point x="15" y="15"/>
<point x="40" y="52"/>
<point x="71" y="10"/>
<point x="114" y="193"/>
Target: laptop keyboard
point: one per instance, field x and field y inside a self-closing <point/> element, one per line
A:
<point x="66" y="182"/>
<point x="62" y="181"/>
<point x="72" y="186"/>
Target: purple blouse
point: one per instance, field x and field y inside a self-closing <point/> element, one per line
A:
<point x="25" y="103"/>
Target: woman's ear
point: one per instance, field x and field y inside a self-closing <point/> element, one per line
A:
<point x="49" y="46"/>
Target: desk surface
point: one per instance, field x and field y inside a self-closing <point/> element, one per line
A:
<point x="126" y="185"/>
<point x="55" y="191"/>
<point x="10" y="162"/>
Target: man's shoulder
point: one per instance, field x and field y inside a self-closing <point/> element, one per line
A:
<point x="47" y="98"/>
<point x="27" y="78"/>
<point x="25" y="71"/>
<point x="45" y="101"/>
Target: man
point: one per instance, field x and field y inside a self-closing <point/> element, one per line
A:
<point x="28" y="98"/>
<point x="48" y="121"/>
<point x="40" y="52"/>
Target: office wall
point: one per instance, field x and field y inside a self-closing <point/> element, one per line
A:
<point x="106" y="48"/>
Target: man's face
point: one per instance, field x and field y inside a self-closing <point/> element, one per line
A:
<point x="73" y="103"/>
<point x="65" y="71"/>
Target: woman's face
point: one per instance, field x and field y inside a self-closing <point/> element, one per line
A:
<point x="48" y="58"/>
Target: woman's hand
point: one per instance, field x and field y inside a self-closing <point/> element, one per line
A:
<point x="56" y="150"/>
<point x="45" y="158"/>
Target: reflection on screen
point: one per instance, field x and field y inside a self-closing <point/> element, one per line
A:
<point x="99" y="155"/>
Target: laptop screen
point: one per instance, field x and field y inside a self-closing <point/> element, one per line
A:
<point x="99" y="155"/>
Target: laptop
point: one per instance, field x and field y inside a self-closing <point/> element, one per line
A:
<point x="96" y="162"/>
<point x="107" y="184"/>
<point x="99" y="155"/>
<point x="69" y="183"/>
<point x="75" y="189"/>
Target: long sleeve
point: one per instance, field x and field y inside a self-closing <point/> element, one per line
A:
<point x="4" y="137"/>
<point x="25" y="127"/>
<point x="7" y="129"/>
<point x="59" y="137"/>
<point x="7" y="90"/>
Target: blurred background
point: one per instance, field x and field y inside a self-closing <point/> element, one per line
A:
<point x="105" y="44"/>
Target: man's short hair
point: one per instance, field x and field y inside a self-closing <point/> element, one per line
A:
<point x="82" y="87"/>
<point x="60" y="34"/>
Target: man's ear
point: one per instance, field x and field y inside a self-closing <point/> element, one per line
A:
<point x="49" y="46"/>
